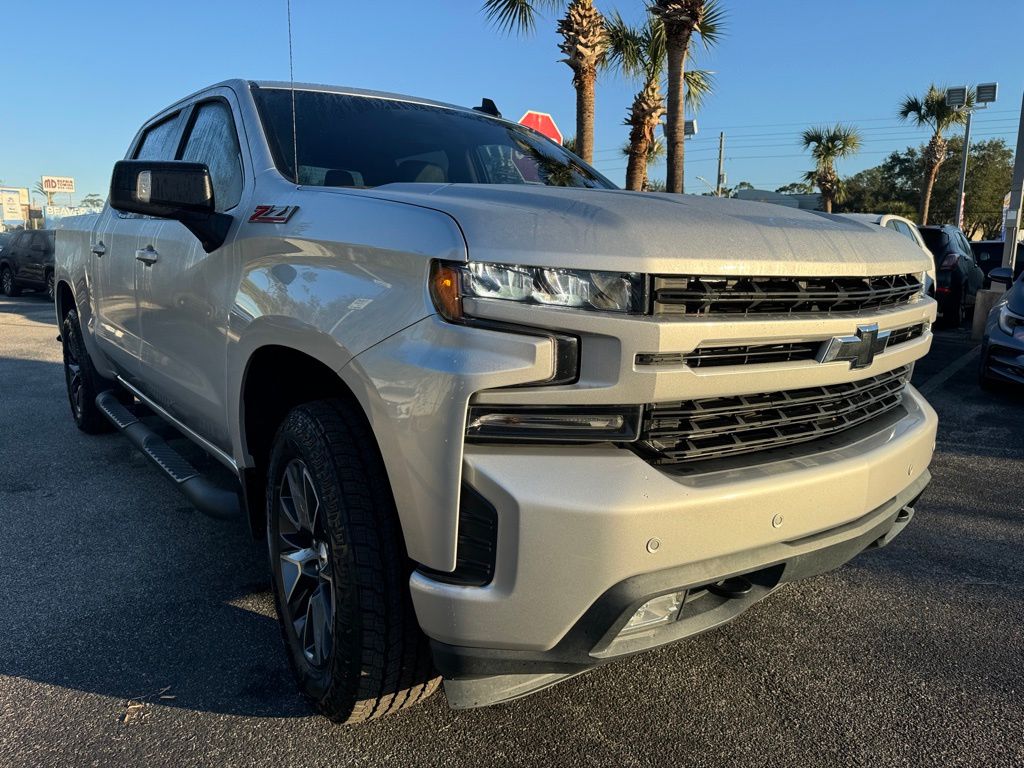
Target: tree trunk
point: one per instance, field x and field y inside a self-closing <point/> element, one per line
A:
<point x="827" y="201"/>
<point x="586" y="78"/>
<point x="926" y="193"/>
<point x="636" y="168"/>
<point x="676" y="46"/>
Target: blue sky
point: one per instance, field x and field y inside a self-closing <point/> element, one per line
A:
<point x="83" y="76"/>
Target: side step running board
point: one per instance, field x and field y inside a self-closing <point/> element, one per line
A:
<point x="207" y="497"/>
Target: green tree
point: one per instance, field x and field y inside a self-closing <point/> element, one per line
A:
<point x="932" y="112"/>
<point x="894" y="186"/>
<point x="989" y="174"/>
<point x="569" y="142"/>
<point x="584" y="44"/>
<point x="92" y="200"/>
<point x="828" y="144"/>
<point x="683" y="19"/>
<point x="640" y="52"/>
<point x="796" y="188"/>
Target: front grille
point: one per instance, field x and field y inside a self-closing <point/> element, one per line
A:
<point x="757" y="354"/>
<point x="700" y="296"/>
<point x="716" y="427"/>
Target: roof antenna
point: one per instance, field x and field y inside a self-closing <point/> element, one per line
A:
<point x="291" y="80"/>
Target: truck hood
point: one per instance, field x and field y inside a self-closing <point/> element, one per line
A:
<point x="658" y="233"/>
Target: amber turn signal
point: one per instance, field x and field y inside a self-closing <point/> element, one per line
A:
<point x="445" y="292"/>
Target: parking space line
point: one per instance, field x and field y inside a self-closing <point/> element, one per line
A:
<point x="948" y="372"/>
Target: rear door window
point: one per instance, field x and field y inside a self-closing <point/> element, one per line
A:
<point x="160" y="142"/>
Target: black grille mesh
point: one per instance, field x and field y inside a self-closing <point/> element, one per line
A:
<point x="696" y="430"/>
<point x="697" y="296"/>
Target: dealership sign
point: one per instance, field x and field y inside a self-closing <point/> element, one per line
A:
<point x="53" y="184"/>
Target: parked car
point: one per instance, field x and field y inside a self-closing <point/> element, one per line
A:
<point x="1002" y="347"/>
<point x="26" y="261"/>
<point x="959" y="278"/>
<point x="491" y="415"/>
<point x="989" y="254"/>
<point x="908" y="229"/>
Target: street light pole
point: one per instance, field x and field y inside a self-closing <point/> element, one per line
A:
<point x="958" y="98"/>
<point x="959" y="218"/>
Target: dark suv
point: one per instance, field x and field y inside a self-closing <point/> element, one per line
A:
<point x="958" y="276"/>
<point x="989" y="254"/>
<point x="26" y="261"/>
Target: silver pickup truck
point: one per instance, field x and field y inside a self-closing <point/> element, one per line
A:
<point x="498" y="421"/>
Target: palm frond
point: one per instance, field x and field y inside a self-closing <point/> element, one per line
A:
<point x="511" y="16"/>
<point x="828" y="143"/>
<point x="700" y="83"/>
<point x="637" y="51"/>
<point x="625" y="47"/>
<point x="712" y="24"/>
<point x="932" y="110"/>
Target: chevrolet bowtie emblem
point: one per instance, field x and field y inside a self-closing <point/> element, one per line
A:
<point x="860" y="350"/>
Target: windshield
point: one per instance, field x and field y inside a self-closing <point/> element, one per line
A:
<point x="363" y="141"/>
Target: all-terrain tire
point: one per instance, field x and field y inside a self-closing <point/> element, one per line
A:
<point x="83" y="383"/>
<point x="379" y="660"/>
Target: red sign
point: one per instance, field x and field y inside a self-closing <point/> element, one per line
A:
<point x="542" y="123"/>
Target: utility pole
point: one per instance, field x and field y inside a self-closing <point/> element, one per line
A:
<point x="1016" y="190"/>
<point x="721" y="164"/>
<point x="959" y="217"/>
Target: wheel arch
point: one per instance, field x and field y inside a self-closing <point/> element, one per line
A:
<point x="276" y="379"/>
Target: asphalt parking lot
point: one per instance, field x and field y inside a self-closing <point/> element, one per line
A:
<point x="136" y="631"/>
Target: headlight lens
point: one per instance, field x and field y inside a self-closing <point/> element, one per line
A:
<point x="539" y="286"/>
<point x="1009" y="323"/>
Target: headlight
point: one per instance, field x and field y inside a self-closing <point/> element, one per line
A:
<point x="537" y="286"/>
<point x="1009" y="322"/>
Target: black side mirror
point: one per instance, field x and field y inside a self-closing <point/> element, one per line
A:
<point x="1002" y="275"/>
<point x="171" y="189"/>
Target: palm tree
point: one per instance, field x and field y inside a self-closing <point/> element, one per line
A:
<point x="584" y="44"/>
<point x="683" y="18"/>
<point x="641" y="52"/>
<point x="933" y="112"/>
<point x="828" y="144"/>
<point x="48" y="195"/>
<point x="655" y="151"/>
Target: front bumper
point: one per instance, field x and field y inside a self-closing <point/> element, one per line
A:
<point x="573" y="557"/>
<point x="1003" y="356"/>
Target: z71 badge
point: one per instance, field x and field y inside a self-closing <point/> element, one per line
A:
<point x="272" y="214"/>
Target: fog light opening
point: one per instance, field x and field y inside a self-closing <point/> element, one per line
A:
<point x="656" y="612"/>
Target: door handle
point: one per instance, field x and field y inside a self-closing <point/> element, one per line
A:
<point x="147" y="255"/>
<point x="99" y="249"/>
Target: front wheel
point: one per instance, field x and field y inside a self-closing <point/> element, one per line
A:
<point x="7" y="284"/>
<point x="339" y="568"/>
